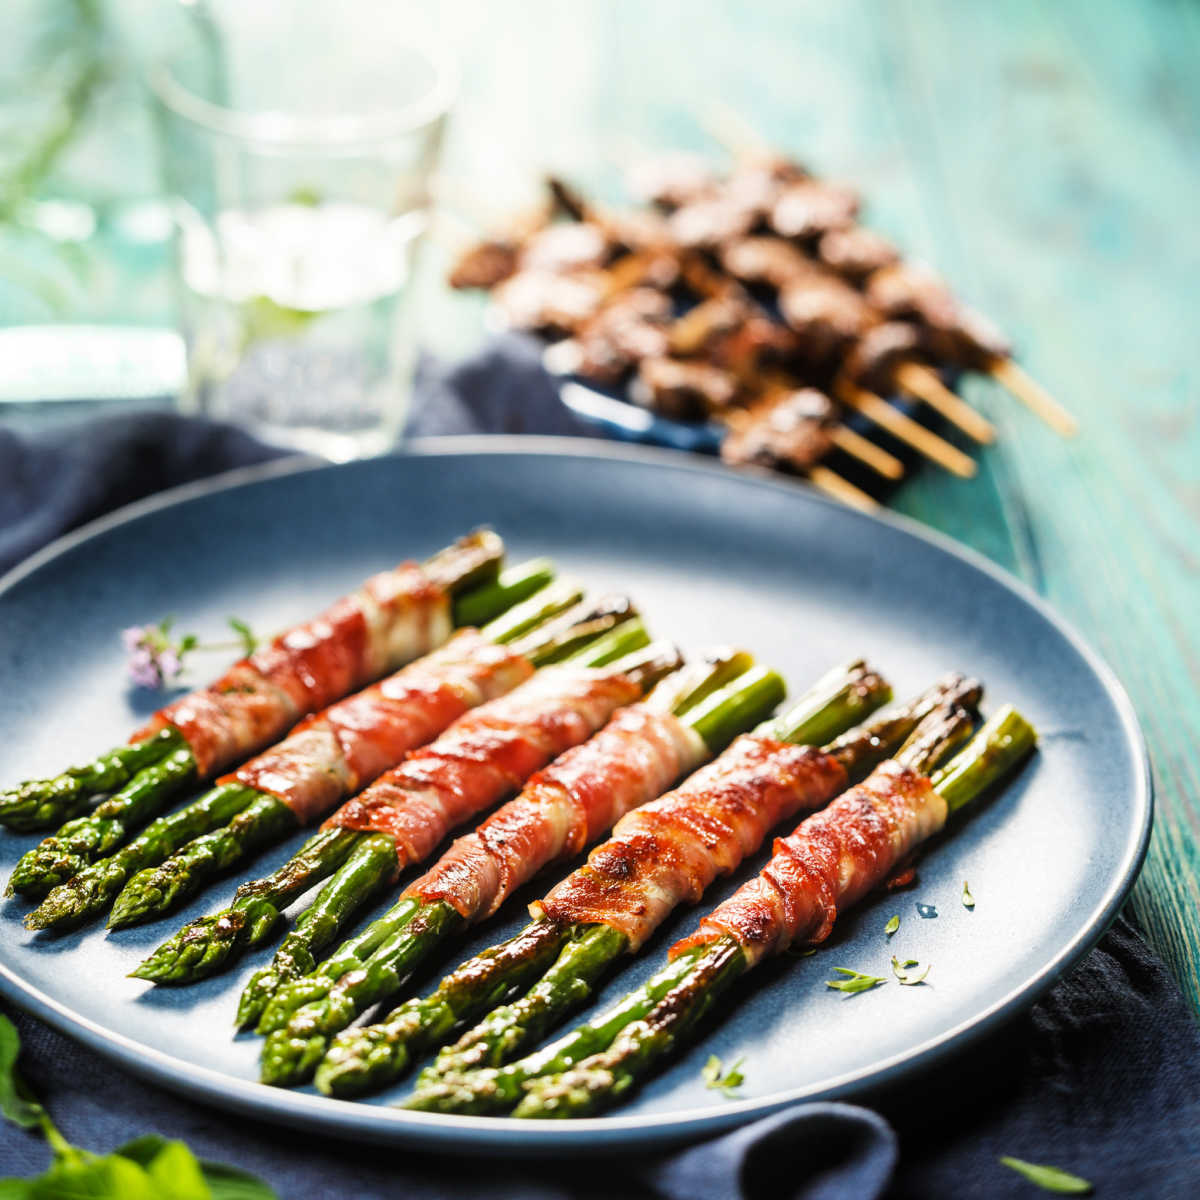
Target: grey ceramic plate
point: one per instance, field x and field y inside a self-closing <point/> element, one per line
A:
<point x="710" y="556"/>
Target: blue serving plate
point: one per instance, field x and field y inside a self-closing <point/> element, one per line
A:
<point x="710" y="556"/>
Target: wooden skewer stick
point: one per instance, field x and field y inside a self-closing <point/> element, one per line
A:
<point x="832" y="484"/>
<point x="871" y="455"/>
<point x="1031" y="393"/>
<point x="936" y="449"/>
<point x="924" y="384"/>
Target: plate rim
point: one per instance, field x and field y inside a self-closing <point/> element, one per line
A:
<point x="502" y="1135"/>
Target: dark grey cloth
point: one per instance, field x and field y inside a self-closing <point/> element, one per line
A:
<point x="1102" y="1077"/>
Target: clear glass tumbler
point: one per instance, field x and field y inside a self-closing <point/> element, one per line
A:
<point x="299" y="141"/>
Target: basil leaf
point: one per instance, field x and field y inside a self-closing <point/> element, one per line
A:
<point x="109" y="1178"/>
<point x="16" y="1189"/>
<point x="177" y="1173"/>
<point x="1050" y="1179"/>
<point x="17" y="1102"/>
<point x="892" y="926"/>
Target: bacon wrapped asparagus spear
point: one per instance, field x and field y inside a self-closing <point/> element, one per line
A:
<point x="393" y="618"/>
<point x="401" y="817"/>
<point x="829" y="862"/>
<point x="638" y="755"/>
<point x="329" y="758"/>
<point x="720" y="813"/>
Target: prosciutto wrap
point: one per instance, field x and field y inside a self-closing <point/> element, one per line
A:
<point x="483" y="756"/>
<point x="635" y="757"/>
<point x="673" y="848"/>
<point x="394" y="617"/>
<point x="829" y="861"/>
<point x="339" y="751"/>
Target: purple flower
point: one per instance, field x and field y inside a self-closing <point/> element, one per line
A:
<point x="153" y="661"/>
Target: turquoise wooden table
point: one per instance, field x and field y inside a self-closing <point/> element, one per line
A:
<point x="1046" y="157"/>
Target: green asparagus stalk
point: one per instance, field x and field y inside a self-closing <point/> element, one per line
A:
<point x="471" y="563"/>
<point x="302" y="1018"/>
<point x="258" y="819"/>
<point x="600" y="1063"/>
<point x="82" y="841"/>
<point x="40" y="803"/>
<point x="87" y="893"/>
<point x="211" y="943"/>
<point x="367" y="1058"/>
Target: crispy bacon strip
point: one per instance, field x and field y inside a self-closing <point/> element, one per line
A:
<point x="483" y="756"/>
<point x="830" y="860"/>
<point x="635" y="757"/>
<point x="393" y="618"/>
<point x="339" y="751"/>
<point x="673" y="848"/>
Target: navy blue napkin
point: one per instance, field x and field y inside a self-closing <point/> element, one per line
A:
<point x="1101" y="1077"/>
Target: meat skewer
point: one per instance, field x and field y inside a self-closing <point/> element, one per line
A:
<point x="634" y="882"/>
<point x="828" y="863"/>
<point x="638" y="755"/>
<point x="403" y="815"/>
<point x="836" y="323"/>
<point x="857" y="252"/>
<point x="393" y="618"/>
<point x="331" y="756"/>
<point x="608" y="319"/>
<point x="825" y="319"/>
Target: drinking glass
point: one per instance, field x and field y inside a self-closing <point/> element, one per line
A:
<point x="298" y="142"/>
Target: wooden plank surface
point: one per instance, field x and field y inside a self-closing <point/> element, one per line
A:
<point x="1046" y="157"/>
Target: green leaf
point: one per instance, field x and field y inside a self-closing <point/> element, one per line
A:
<point x="892" y="926"/>
<point x="17" y="1102"/>
<point x="109" y="1178"/>
<point x="229" y="1183"/>
<point x="245" y="633"/>
<point x="967" y="899"/>
<point x="189" y="641"/>
<point x="177" y="1173"/>
<point x="16" y="1189"/>
<point x="854" y="982"/>
<point x="1050" y="1179"/>
<point x="727" y="1083"/>
<point x="170" y="1166"/>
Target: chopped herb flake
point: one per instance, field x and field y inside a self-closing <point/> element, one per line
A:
<point x="967" y="899"/>
<point x="727" y="1083"/>
<point x="1050" y="1179"/>
<point x="854" y="982"/>
<point x="901" y="969"/>
<point x="892" y="926"/>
